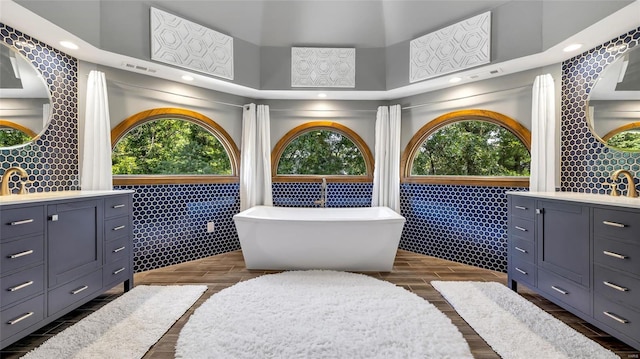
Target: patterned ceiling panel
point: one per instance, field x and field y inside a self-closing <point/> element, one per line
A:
<point x="459" y="46"/>
<point x="323" y="67"/>
<point x="183" y="43"/>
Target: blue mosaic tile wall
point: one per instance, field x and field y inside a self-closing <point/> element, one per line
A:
<point x="170" y="222"/>
<point x="466" y="224"/>
<point x="587" y="163"/>
<point x="286" y="194"/>
<point x="52" y="160"/>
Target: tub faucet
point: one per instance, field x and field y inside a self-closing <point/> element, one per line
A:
<point x="631" y="185"/>
<point x="4" y="184"/>
<point x="323" y="194"/>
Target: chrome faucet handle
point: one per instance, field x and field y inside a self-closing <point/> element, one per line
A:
<point x="614" y="188"/>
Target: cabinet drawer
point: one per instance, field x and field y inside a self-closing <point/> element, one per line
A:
<point x="617" y="286"/>
<point x="74" y="291"/>
<point x="116" y="206"/>
<point x="619" y="255"/>
<point x="522" y="207"/>
<point x="523" y="272"/>
<point x="521" y="228"/>
<point x="616" y="316"/>
<point x="22" y="316"/>
<point x="116" y="228"/>
<point x="622" y="225"/>
<point x="21" y="253"/>
<point x="117" y="250"/>
<point x="565" y="290"/>
<point x="521" y="250"/>
<point x="21" y="285"/>
<point x="116" y="272"/>
<point x="22" y="221"/>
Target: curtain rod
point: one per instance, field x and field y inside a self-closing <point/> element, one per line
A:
<point x="465" y="97"/>
<point x="176" y="94"/>
<point x="314" y="110"/>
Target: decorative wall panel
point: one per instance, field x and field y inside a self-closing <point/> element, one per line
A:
<point x="459" y="46"/>
<point x="338" y="194"/>
<point x="323" y="67"/>
<point x="51" y="160"/>
<point x="586" y="163"/>
<point x="180" y="42"/>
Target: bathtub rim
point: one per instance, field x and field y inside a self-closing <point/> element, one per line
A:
<point x="393" y="216"/>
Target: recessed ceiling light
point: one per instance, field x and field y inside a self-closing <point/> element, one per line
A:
<point x="322" y="95"/>
<point x="453" y="80"/>
<point x="187" y="78"/>
<point x="69" y="45"/>
<point x="572" y="47"/>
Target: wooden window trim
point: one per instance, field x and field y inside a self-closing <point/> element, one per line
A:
<point x="523" y="134"/>
<point x="187" y="115"/>
<point x="321" y="125"/>
<point x="15" y="126"/>
<point x="620" y="129"/>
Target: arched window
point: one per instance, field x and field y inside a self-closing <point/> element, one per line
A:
<point x="13" y="134"/>
<point x="626" y="137"/>
<point x="172" y="145"/>
<point x="322" y="149"/>
<point x="472" y="147"/>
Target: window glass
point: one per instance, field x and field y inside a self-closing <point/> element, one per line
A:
<point x="322" y="152"/>
<point x="471" y="148"/>
<point x="170" y="146"/>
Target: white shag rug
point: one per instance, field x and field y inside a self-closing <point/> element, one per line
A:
<point x="514" y="327"/>
<point x="124" y="328"/>
<point x="318" y="314"/>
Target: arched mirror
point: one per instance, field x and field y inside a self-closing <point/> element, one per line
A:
<point x="614" y="102"/>
<point x="25" y="101"/>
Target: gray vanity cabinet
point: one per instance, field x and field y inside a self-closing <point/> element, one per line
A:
<point x="53" y="258"/>
<point x="587" y="260"/>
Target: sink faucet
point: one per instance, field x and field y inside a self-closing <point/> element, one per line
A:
<point x="323" y="194"/>
<point x="4" y="184"/>
<point x="631" y="186"/>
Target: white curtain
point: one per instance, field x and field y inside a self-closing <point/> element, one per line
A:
<point x="543" y="136"/>
<point x="386" y="173"/>
<point x="95" y="173"/>
<point x="255" y="159"/>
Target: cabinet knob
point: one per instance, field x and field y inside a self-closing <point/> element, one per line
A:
<point x="53" y="218"/>
<point x="539" y="210"/>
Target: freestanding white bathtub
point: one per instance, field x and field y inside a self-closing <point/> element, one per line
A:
<point x="355" y="239"/>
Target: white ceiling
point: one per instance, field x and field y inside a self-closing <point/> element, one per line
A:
<point x="359" y="23"/>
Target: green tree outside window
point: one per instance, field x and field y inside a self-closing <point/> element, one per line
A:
<point x="170" y="147"/>
<point x="627" y="140"/>
<point x="322" y="152"/>
<point x="12" y="137"/>
<point x="472" y="148"/>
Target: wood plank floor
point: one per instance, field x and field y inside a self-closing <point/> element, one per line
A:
<point x="411" y="271"/>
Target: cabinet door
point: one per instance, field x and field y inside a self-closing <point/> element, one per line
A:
<point x="563" y="240"/>
<point x="75" y="235"/>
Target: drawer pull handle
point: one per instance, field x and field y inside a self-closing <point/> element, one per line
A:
<point x="521" y="271"/>
<point x="520" y="250"/>
<point x="118" y="271"/>
<point x="19" y="319"/>
<point x="520" y="228"/>
<point x="117" y="206"/>
<point x="616" y="318"/>
<point x="24" y="221"/>
<point x="119" y="228"/>
<point x="614" y="224"/>
<point x="614" y="255"/>
<point x="522" y="208"/>
<point x="74" y="292"/>
<point x="118" y="249"/>
<point x="21" y="254"/>
<point x="559" y="290"/>
<point x="18" y="287"/>
<point x="615" y="286"/>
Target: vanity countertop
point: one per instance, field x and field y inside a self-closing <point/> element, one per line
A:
<point x="57" y="195"/>
<point x="603" y="199"/>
